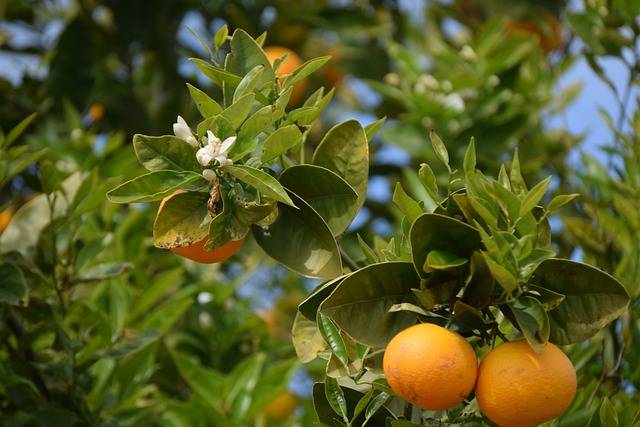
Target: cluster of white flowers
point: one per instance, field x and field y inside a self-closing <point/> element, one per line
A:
<point x="214" y="149"/>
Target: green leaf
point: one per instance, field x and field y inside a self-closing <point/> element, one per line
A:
<point x="237" y="112"/>
<point x="104" y="271"/>
<point x="435" y="232"/>
<point x="17" y="130"/>
<point x="345" y="151"/>
<point x="13" y="289"/>
<point x="441" y="260"/>
<point x="206" y="382"/>
<point x="534" y="196"/>
<point x="182" y="221"/>
<point x="279" y="142"/>
<point x="335" y="397"/>
<point x="304" y="71"/>
<point x="270" y="384"/>
<point x="327" y="193"/>
<point x="428" y="180"/>
<point x="439" y="148"/>
<point x="319" y="107"/>
<point x="261" y="181"/>
<point x="593" y="298"/>
<point x="469" y="316"/>
<point x="306" y="338"/>
<point x="220" y="37"/>
<point x="128" y="342"/>
<point x="480" y="284"/>
<point x="256" y="124"/>
<point x="375" y="405"/>
<point x="332" y="337"/>
<point x="561" y="200"/>
<point x="503" y="276"/>
<point x="311" y="304"/>
<point x="302" y="241"/>
<point x="241" y="382"/>
<point x="360" y="304"/>
<point x="372" y="128"/>
<point x="205" y="105"/>
<point x="217" y="75"/>
<point x="167" y="152"/>
<point x="532" y="321"/>
<point x="469" y="162"/>
<point x="249" y="82"/>
<point x="246" y="54"/>
<point x="204" y="45"/>
<point x="155" y="186"/>
<point x="409" y="207"/>
<point x="328" y="416"/>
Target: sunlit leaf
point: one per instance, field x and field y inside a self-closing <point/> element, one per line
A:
<point x="155" y="186"/>
<point x="167" y="152"/>
<point x="205" y="105"/>
<point x="345" y="151"/>
<point x="261" y="181"/>
<point x="307" y="339"/>
<point x="182" y="221"/>
<point x="279" y="142"/>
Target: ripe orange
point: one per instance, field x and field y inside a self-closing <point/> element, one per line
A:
<point x="430" y="366"/>
<point x="196" y="251"/>
<point x="282" y="406"/>
<point x="519" y="387"/>
<point x="288" y="66"/>
<point x="5" y="219"/>
<point x="547" y="28"/>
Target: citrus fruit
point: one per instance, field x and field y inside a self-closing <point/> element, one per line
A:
<point x="288" y="66"/>
<point x="196" y="251"/>
<point x="546" y="27"/>
<point x="281" y="408"/>
<point x="5" y="219"/>
<point x="519" y="387"/>
<point x="430" y="366"/>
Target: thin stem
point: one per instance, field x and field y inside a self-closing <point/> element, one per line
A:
<point x="347" y="260"/>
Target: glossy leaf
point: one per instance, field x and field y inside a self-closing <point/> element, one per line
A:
<point x="435" y="232"/>
<point x="217" y="75"/>
<point x="246" y="54"/>
<point x="532" y="320"/>
<point x="261" y="181"/>
<point x="167" y="152"/>
<point x="331" y="335"/>
<point x="441" y="260"/>
<point x="302" y="241"/>
<point x="335" y="396"/>
<point x="328" y="416"/>
<point x="304" y="70"/>
<point x="156" y="186"/>
<point x="327" y="193"/>
<point x="593" y="298"/>
<point x="360" y="304"/>
<point x="249" y="82"/>
<point x="345" y="151"/>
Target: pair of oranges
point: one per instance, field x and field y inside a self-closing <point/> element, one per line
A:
<point x="436" y="369"/>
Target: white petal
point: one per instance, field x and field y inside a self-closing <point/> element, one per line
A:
<point x="192" y="141"/>
<point x="209" y="174"/>
<point x="227" y="144"/>
<point x="213" y="140"/>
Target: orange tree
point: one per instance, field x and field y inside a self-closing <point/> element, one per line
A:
<point x="480" y="262"/>
<point x="100" y="327"/>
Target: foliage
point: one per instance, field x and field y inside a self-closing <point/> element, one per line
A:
<point x="483" y="231"/>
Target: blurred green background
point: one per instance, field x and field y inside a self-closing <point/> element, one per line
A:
<point x="115" y="332"/>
